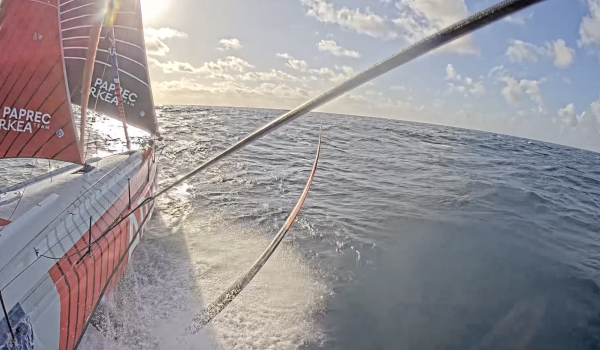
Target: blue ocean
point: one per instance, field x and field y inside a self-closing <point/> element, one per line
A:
<point x="414" y="236"/>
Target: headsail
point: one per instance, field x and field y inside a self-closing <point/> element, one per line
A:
<point x="36" y="119"/>
<point x="131" y="72"/>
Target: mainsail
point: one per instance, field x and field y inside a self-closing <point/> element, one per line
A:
<point x="43" y="47"/>
<point x="36" y="118"/>
<point x="122" y="40"/>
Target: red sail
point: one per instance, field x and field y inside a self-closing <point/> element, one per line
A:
<point x="77" y="18"/>
<point x="36" y="119"/>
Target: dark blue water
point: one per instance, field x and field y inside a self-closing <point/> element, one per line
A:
<point x="431" y="237"/>
<point x="427" y="237"/>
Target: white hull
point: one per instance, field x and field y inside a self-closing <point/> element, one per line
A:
<point x="51" y="279"/>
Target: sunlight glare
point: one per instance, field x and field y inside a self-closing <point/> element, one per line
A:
<point x="152" y="8"/>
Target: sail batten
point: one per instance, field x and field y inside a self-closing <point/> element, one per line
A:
<point x="35" y="111"/>
<point x="131" y="71"/>
<point x="41" y="74"/>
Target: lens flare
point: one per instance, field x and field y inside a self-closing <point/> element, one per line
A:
<point x="151" y="9"/>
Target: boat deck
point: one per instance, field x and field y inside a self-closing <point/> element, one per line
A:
<point x="68" y="183"/>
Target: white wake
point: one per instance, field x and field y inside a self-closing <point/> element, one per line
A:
<point x="183" y="264"/>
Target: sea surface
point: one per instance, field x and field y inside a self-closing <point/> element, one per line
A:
<point x="413" y="236"/>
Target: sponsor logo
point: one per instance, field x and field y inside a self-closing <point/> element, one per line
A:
<point x="106" y="92"/>
<point x="23" y="120"/>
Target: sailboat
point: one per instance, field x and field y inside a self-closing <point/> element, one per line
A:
<point x="66" y="236"/>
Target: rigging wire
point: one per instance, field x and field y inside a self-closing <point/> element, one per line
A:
<point x="416" y="50"/>
<point x="220" y="303"/>
<point x="124" y="214"/>
<point x="88" y="124"/>
<point x="420" y="48"/>
<point x="408" y="54"/>
<point x="115" y="269"/>
<point x="21" y="195"/>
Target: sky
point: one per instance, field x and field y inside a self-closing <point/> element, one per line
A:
<point x="535" y="74"/>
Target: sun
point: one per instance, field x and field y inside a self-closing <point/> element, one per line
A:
<point x="153" y="8"/>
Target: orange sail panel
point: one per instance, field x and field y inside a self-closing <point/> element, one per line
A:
<point x="36" y="119"/>
<point x="125" y="19"/>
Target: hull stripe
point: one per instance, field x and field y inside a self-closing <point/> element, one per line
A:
<point x="65" y="319"/>
<point x="80" y="278"/>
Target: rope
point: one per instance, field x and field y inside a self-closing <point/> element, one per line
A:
<point x="92" y="186"/>
<point x="408" y="54"/>
<point x="21" y="196"/>
<point x="236" y="288"/>
<point x="88" y="124"/>
<point x="120" y="218"/>
<point x="115" y="269"/>
<point x="6" y="316"/>
<point x="418" y="49"/>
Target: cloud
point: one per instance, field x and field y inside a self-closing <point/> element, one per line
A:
<point x="343" y="73"/>
<point x="563" y="55"/>
<point x="273" y="75"/>
<point x="415" y="20"/>
<point x="228" y="64"/>
<point x="520" y="51"/>
<point x="284" y="55"/>
<point x="512" y="92"/>
<point x="477" y="89"/>
<point x="333" y="48"/>
<point x="451" y="73"/>
<point x="364" y="22"/>
<point x="515" y="90"/>
<point x="293" y="63"/>
<point x="302" y="66"/>
<point x="156" y="47"/>
<point x="463" y="86"/>
<point x="297" y="65"/>
<point x="498" y="71"/>
<point x="273" y="95"/>
<point x="348" y="71"/>
<point x="230" y="44"/>
<point x="164" y="33"/>
<point x="455" y="88"/>
<point x="173" y="66"/>
<point x="220" y="69"/>
<point x="533" y="90"/>
<point x="596" y="109"/>
<point x="154" y="39"/>
<point x="227" y="88"/>
<point x="519" y="19"/>
<point x="568" y="115"/>
<point x="589" y="29"/>
<point x="322" y="71"/>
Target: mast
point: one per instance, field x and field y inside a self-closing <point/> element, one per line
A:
<point x="114" y="62"/>
<point x="88" y="71"/>
<point x="119" y="90"/>
<point x="122" y="111"/>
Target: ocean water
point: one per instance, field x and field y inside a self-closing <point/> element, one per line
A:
<point x="413" y="236"/>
